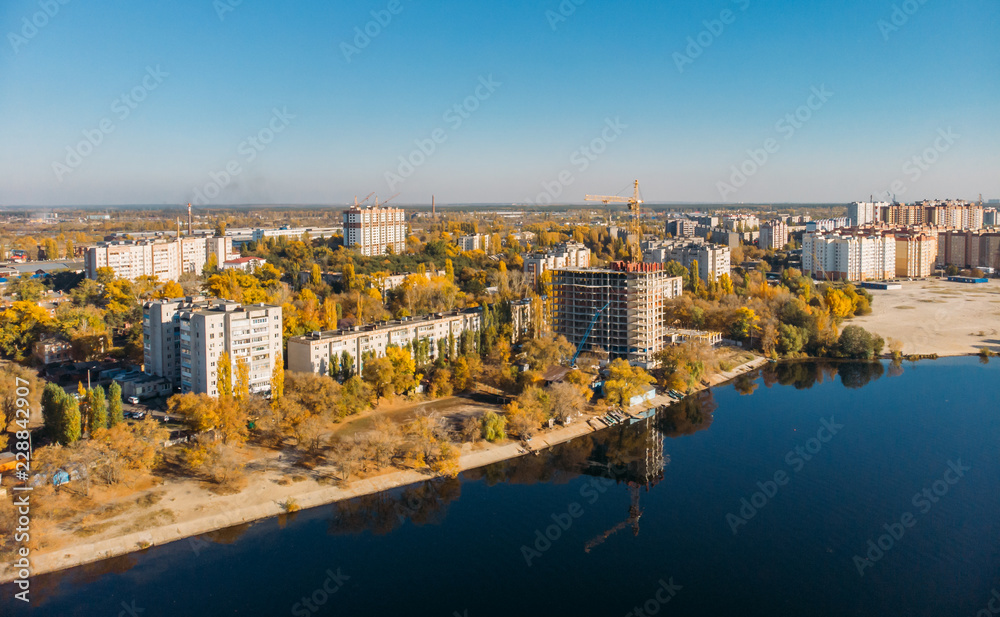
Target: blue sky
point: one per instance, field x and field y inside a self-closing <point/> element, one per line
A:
<point x="560" y="76"/>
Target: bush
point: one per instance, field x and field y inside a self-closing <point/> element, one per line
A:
<point x="858" y="343"/>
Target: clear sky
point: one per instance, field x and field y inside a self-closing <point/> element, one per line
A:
<point x="546" y="81"/>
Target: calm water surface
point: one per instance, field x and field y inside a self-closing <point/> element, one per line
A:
<point x="706" y="509"/>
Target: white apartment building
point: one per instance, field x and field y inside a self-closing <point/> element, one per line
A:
<point x="849" y="257"/>
<point x="166" y="260"/>
<point x="183" y="339"/>
<point x="477" y="242"/>
<point x="375" y="229"/>
<point x="773" y="235"/>
<point x="865" y="212"/>
<point x="713" y="260"/>
<point x="312" y="352"/>
<point x="565" y="255"/>
<point x="294" y="232"/>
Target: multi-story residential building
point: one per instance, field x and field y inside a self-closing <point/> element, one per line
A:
<point x="633" y="297"/>
<point x="713" y="260"/>
<point x="246" y="264"/>
<point x="990" y="217"/>
<point x="312" y="352"/>
<point x="166" y="260"/>
<point x="863" y="213"/>
<point x="565" y="255"/>
<point x="295" y="232"/>
<point x="969" y="249"/>
<point x="822" y="225"/>
<point x="52" y="350"/>
<point x="773" y="235"/>
<point x="740" y="222"/>
<point x="849" y="256"/>
<point x="476" y="242"/>
<point x="952" y="214"/>
<point x="915" y="254"/>
<point x="375" y="230"/>
<point x="681" y="228"/>
<point x="184" y="338"/>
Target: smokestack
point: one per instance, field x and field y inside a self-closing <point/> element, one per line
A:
<point x="433" y="208"/>
<point x="190" y="221"/>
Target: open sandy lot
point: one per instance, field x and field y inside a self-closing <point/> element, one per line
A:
<point x="935" y="316"/>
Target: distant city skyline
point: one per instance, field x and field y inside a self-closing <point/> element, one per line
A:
<point x="240" y="103"/>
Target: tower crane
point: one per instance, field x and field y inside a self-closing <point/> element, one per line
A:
<point x="360" y="203"/>
<point x="634" y="227"/>
<point x="377" y="204"/>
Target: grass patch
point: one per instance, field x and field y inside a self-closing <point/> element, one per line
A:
<point x="905" y="308"/>
<point x="299" y="478"/>
<point x="90" y="530"/>
<point x="149" y="519"/>
<point x="150" y="499"/>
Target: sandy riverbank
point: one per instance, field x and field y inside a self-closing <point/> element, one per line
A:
<point x="937" y="317"/>
<point x="195" y="511"/>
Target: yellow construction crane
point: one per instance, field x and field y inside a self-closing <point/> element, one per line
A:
<point x="635" y="226"/>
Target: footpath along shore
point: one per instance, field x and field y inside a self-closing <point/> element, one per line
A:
<point x="267" y="504"/>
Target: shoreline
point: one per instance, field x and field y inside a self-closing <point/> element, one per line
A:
<point x="85" y="553"/>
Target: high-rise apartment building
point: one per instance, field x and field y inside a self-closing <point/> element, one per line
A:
<point x="565" y="255"/>
<point x="773" y="235"/>
<point x="849" y="256"/>
<point x="681" y="228"/>
<point x="374" y="230"/>
<point x="713" y="260"/>
<point x="476" y="242"/>
<point x="166" y="260"/>
<point x="915" y="254"/>
<point x="865" y="212"/>
<point x="633" y="296"/>
<point x="184" y="338"/>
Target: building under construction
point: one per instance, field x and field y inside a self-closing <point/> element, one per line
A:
<point x="618" y="309"/>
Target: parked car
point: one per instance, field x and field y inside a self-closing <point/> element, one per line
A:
<point x="133" y="400"/>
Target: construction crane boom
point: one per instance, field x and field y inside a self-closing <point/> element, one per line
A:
<point x="359" y="203"/>
<point x="635" y="225"/>
<point x="586" y="334"/>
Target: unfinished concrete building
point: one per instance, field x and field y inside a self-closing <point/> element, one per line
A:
<point x="632" y="326"/>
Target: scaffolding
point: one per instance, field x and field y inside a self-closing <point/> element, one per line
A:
<point x="632" y="326"/>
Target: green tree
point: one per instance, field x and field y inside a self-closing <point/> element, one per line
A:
<point x="115" y="413"/>
<point x="856" y="342"/>
<point x="98" y="408"/>
<point x="71" y="427"/>
<point x="744" y="324"/>
<point x="494" y="426"/>
<point x="52" y="409"/>
<point x="346" y="366"/>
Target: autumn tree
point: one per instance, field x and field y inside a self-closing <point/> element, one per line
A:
<point x="278" y="378"/>
<point x="624" y="382"/>
<point x="380" y="374"/>
<point x="224" y="375"/>
<point x="241" y="390"/>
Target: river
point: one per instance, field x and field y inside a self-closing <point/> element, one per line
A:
<point x="802" y="489"/>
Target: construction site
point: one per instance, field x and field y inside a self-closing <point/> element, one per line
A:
<point x="619" y="309"/>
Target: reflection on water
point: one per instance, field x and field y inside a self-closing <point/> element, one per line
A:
<point x="630" y="454"/>
<point x="805" y="375"/>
